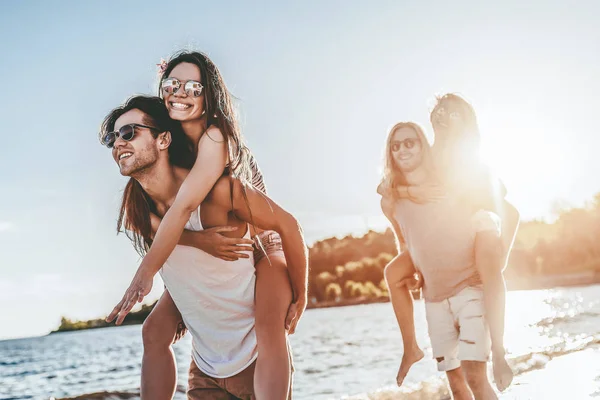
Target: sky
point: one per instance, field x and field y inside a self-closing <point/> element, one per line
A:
<point x="318" y="82"/>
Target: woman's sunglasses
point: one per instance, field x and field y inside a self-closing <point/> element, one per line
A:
<point x="126" y="132"/>
<point x="191" y="88"/>
<point x="407" y="143"/>
<point x="443" y="115"/>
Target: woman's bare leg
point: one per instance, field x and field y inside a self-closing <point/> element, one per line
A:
<point x="400" y="268"/>
<point x="159" y="371"/>
<point x="273" y="298"/>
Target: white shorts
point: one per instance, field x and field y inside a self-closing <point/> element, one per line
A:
<point x="458" y="329"/>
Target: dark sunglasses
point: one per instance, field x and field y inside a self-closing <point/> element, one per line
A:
<point x="407" y="143"/>
<point x="191" y="88"/>
<point x="126" y="132"/>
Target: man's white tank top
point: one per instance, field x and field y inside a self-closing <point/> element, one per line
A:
<point x="216" y="300"/>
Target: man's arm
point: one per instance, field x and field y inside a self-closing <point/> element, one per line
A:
<point x="212" y="241"/>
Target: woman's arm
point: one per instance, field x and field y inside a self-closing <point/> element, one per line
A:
<point x="212" y="241"/>
<point x="418" y="194"/>
<point x="208" y="167"/>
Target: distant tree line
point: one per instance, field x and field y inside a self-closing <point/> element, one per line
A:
<point x="351" y="268"/>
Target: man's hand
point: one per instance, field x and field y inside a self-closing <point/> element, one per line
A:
<point x="138" y="289"/>
<point x="229" y="249"/>
<point x="295" y="313"/>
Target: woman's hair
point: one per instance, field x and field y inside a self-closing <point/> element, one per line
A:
<point x="219" y="109"/>
<point x="392" y="176"/>
<point x="469" y="137"/>
<point x="136" y="206"/>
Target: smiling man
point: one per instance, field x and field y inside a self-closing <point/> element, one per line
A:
<point x="459" y="253"/>
<point x="215" y="297"/>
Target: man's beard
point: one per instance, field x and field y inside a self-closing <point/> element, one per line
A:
<point x="139" y="169"/>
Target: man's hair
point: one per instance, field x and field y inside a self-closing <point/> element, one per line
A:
<point x="219" y="108"/>
<point x="136" y="205"/>
<point x="393" y="177"/>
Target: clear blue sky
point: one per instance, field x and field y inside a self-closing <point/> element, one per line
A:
<point x="319" y="82"/>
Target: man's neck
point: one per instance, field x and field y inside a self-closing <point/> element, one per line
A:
<point x="418" y="176"/>
<point x="162" y="182"/>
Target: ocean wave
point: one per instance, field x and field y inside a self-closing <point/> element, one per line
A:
<point x="566" y="318"/>
<point x="437" y="388"/>
<point x="431" y="389"/>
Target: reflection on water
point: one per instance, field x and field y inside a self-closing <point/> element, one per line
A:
<point x="338" y="351"/>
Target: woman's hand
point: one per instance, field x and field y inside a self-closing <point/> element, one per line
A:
<point x="214" y="243"/>
<point x="424" y="193"/>
<point x="413" y="282"/>
<point x="138" y="289"/>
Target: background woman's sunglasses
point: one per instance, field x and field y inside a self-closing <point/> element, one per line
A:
<point x="126" y="132"/>
<point x="191" y="88"/>
<point x="407" y="143"/>
<point x="442" y="115"/>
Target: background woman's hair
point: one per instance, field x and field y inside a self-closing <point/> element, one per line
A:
<point x="220" y="111"/>
<point x="470" y="137"/>
<point x="392" y="176"/>
<point x="136" y="205"/>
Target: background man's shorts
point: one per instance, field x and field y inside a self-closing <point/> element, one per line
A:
<point x="458" y="329"/>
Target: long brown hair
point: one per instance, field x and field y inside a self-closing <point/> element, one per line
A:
<point x="219" y="108"/>
<point x="392" y="175"/>
<point x="136" y="205"/>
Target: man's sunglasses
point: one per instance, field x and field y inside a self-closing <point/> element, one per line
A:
<point x="126" y="132"/>
<point x="407" y="143"/>
<point x="191" y="88"/>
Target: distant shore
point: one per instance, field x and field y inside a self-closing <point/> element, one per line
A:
<point x="531" y="283"/>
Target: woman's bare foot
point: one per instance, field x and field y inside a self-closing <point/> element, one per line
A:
<point x="503" y="374"/>
<point x="408" y="359"/>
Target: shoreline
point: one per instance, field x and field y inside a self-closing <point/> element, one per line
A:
<point x="585" y="278"/>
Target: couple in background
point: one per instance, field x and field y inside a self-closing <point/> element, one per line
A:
<point x="454" y="231"/>
<point x="234" y="263"/>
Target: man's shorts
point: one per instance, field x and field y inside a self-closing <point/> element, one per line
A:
<point x="241" y="386"/>
<point x="458" y="329"/>
<point x="267" y="244"/>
